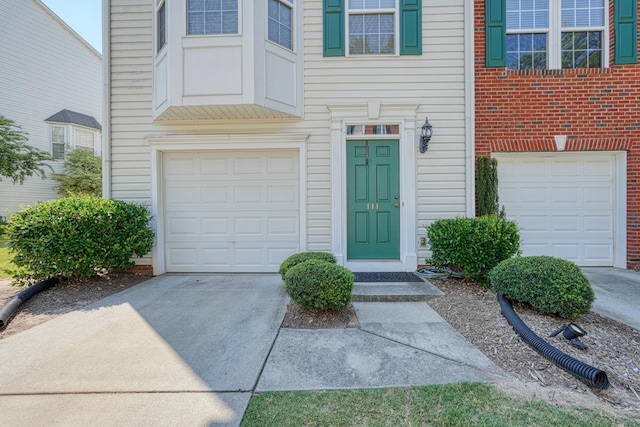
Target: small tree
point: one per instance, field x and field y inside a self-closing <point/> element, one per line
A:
<point x="82" y="174"/>
<point x="487" y="187"/>
<point x="19" y="160"/>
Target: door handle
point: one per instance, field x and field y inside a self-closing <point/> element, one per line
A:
<point x="396" y="197"/>
<point x="396" y="205"/>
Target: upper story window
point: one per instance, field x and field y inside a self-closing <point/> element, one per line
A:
<point x="536" y="40"/>
<point x="212" y="17"/>
<point x="280" y="29"/>
<point x="161" y="24"/>
<point x="372" y="27"/>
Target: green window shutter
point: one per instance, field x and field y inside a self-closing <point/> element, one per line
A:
<point x="495" y="33"/>
<point x="333" y="27"/>
<point x="625" y="21"/>
<point x="410" y="27"/>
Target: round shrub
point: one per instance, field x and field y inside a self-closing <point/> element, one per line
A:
<point x="77" y="236"/>
<point x="301" y="257"/>
<point x="319" y="284"/>
<point x="475" y="245"/>
<point x="552" y="285"/>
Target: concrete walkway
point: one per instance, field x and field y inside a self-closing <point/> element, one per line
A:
<point x="190" y="350"/>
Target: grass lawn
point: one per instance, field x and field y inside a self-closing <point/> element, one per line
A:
<point x="5" y="260"/>
<point x="464" y="404"/>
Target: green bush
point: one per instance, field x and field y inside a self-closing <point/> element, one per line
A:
<point x="319" y="284"/>
<point x="77" y="237"/>
<point x="82" y="174"/>
<point x="475" y="245"/>
<point x="552" y="285"/>
<point x="301" y="257"/>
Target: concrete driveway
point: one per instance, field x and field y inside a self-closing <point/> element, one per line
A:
<point x="175" y="350"/>
<point x="617" y="293"/>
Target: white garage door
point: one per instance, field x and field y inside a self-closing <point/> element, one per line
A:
<point x="228" y="211"/>
<point x="562" y="203"/>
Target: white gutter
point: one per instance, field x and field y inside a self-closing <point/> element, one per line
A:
<point x="469" y="106"/>
<point x="106" y="99"/>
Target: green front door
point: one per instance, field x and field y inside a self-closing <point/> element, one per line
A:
<point x="373" y="200"/>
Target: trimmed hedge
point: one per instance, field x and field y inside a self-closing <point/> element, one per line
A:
<point x="552" y="285"/>
<point x="301" y="257"/>
<point x="475" y="245"/>
<point x="319" y="284"/>
<point x="77" y="237"/>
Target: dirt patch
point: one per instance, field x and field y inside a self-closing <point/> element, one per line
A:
<point x="300" y="317"/>
<point x="612" y="347"/>
<point x="62" y="298"/>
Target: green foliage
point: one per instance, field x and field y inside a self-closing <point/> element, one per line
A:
<point x="77" y="237"/>
<point x="487" y="187"/>
<point x="82" y="174"/>
<point x="452" y="405"/>
<point x="552" y="285"/>
<point x="301" y="257"/>
<point x="319" y="284"/>
<point x="475" y="245"/>
<point x="18" y="159"/>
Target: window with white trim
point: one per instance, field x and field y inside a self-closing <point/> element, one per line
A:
<point x="555" y="34"/>
<point x="212" y="17"/>
<point x="280" y="22"/>
<point x="161" y="24"/>
<point x="58" y="142"/>
<point x="372" y="27"/>
<point x="84" y="139"/>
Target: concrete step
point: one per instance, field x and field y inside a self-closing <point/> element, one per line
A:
<point x="394" y="291"/>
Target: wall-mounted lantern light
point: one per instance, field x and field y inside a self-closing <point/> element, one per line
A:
<point x="425" y="135"/>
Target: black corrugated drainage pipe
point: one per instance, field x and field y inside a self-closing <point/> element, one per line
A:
<point x="12" y="305"/>
<point x="591" y="376"/>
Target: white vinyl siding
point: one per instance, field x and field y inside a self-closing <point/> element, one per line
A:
<point x="434" y="81"/>
<point x="51" y="69"/>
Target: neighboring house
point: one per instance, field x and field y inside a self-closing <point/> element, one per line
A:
<point x="51" y="85"/>
<point x="558" y="105"/>
<point x="259" y="128"/>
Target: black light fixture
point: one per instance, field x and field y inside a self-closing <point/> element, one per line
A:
<point x="572" y="333"/>
<point x="425" y="135"/>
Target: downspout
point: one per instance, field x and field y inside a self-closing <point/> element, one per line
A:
<point x="469" y="106"/>
<point x="106" y="98"/>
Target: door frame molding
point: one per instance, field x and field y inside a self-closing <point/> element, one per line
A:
<point x="372" y="113"/>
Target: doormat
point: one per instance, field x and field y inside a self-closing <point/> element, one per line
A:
<point x="401" y="276"/>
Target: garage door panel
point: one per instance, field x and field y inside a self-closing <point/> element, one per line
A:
<point x="563" y="204"/>
<point x="232" y="211"/>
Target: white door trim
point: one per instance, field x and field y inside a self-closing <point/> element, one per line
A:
<point x="236" y="142"/>
<point x="375" y="113"/>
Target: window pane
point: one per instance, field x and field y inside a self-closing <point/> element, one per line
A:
<point x="356" y="4"/>
<point x="582" y="49"/>
<point x="212" y="17"/>
<point x="373" y="130"/>
<point x="279" y="23"/>
<point x="527" y="14"/>
<point x="57" y="151"/>
<point x="161" y="27"/>
<point x="582" y="13"/>
<point x="372" y="34"/>
<point x="229" y="22"/>
<point x="527" y="51"/>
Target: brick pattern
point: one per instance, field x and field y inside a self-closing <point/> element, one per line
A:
<point x="595" y="109"/>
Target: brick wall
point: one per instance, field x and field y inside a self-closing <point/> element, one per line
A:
<point x="595" y="109"/>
